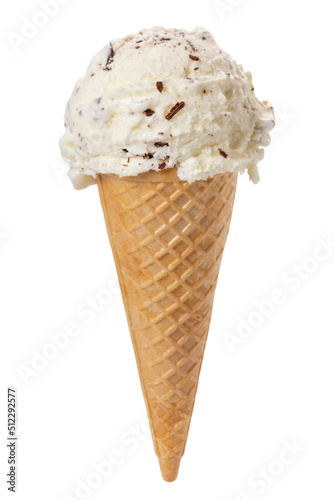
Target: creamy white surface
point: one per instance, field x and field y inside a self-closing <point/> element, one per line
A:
<point x="110" y="128"/>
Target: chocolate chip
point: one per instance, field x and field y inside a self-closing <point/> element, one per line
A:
<point x="225" y="155"/>
<point x="192" y="46"/>
<point x="149" y="112"/>
<point x="175" y="109"/>
<point x="110" y="58"/>
<point x="160" y="86"/>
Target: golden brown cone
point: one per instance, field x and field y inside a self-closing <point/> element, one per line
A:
<point x="167" y="238"/>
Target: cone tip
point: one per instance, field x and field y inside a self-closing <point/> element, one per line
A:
<point x="169" y="468"/>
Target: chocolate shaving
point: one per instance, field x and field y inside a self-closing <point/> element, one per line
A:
<point x="195" y="69"/>
<point x="148" y="156"/>
<point x="175" y="109"/>
<point x="192" y="46"/>
<point x="80" y="113"/>
<point x="164" y="39"/>
<point x="160" y="86"/>
<point x="160" y="144"/>
<point x="162" y="165"/>
<point x="125" y="150"/>
<point x="110" y="58"/>
<point x="222" y="153"/>
<point x="194" y="58"/>
<point x="149" y="112"/>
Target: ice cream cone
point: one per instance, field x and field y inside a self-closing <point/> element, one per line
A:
<point x="167" y="238"/>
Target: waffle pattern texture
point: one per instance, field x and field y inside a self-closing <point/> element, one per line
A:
<point x="167" y="238"/>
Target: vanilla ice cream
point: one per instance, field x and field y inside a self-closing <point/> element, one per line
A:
<point x="160" y="99"/>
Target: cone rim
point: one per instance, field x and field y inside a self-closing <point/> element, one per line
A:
<point x="166" y="175"/>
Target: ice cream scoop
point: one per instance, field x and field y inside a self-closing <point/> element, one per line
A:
<point x="160" y="99"/>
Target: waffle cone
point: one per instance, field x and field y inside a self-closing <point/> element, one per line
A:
<point x="167" y="238"/>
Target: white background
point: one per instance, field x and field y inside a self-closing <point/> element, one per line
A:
<point x="255" y="393"/>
